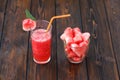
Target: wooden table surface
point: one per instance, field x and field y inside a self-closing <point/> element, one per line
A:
<point x="99" y="17"/>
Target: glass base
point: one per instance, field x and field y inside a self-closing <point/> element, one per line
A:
<point x="75" y="62"/>
<point x="41" y="62"/>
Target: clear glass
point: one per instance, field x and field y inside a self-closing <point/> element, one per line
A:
<point x="41" y="42"/>
<point x="71" y="55"/>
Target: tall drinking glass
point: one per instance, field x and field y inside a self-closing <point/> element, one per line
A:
<point x="41" y="42"/>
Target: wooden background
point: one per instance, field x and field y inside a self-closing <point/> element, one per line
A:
<point x="99" y="17"/>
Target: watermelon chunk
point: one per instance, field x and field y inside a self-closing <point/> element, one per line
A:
<point x="68" y="33"/>
<point x="85" y="36"/>
<point x="28" y="24"/>
<point x="76" y="29"/>
<point x="83" y="44"/>
<point x="77" y="38"/>
<point x="68" y="49"/>
<point x="76" y="59"/>
<point x="78" y="50"/>
<point x="67" y="36"/>
<point x="77" y="35"/>
<point x="71" y="54"/>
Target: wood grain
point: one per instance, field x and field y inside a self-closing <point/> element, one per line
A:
<point x="113" y="13"/>
<point x="101" y="60"/>
<point x="43" y="10"/>
<point x="66" y="70"/>
<point x="2" y="14"/>
<point x="87" y="16"/>
<point x="14" y="42"/>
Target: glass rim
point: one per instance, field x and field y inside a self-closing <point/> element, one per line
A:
<point x="38" y="25"/>
<point x="42" y="20"/>
<point x="41" y="26"/>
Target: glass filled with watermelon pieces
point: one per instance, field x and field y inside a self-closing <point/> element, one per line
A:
<point x="76" y="44"/>
<point x="40" y="39"/>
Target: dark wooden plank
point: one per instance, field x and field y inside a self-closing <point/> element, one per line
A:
<point x="101" y="61"/>
<point x="44" y="10"/>
<point x="113" y="12"/>
<point x="2" y="12"/>
<point x="93" y="68"/>
<point x="14" y="42"/>
<point x="66" y="70"/>
<point x="87" y="17"/>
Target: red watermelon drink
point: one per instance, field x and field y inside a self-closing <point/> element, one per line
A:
<point x="76" y="44"/>
<point x="40" y="39"/>
<point x="40" y="36"/>
<point x="41" y="43"/>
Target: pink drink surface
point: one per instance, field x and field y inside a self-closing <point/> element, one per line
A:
<point x="41" y="43"/>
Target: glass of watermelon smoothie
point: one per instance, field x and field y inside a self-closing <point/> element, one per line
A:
<point x="41" y="42"/>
